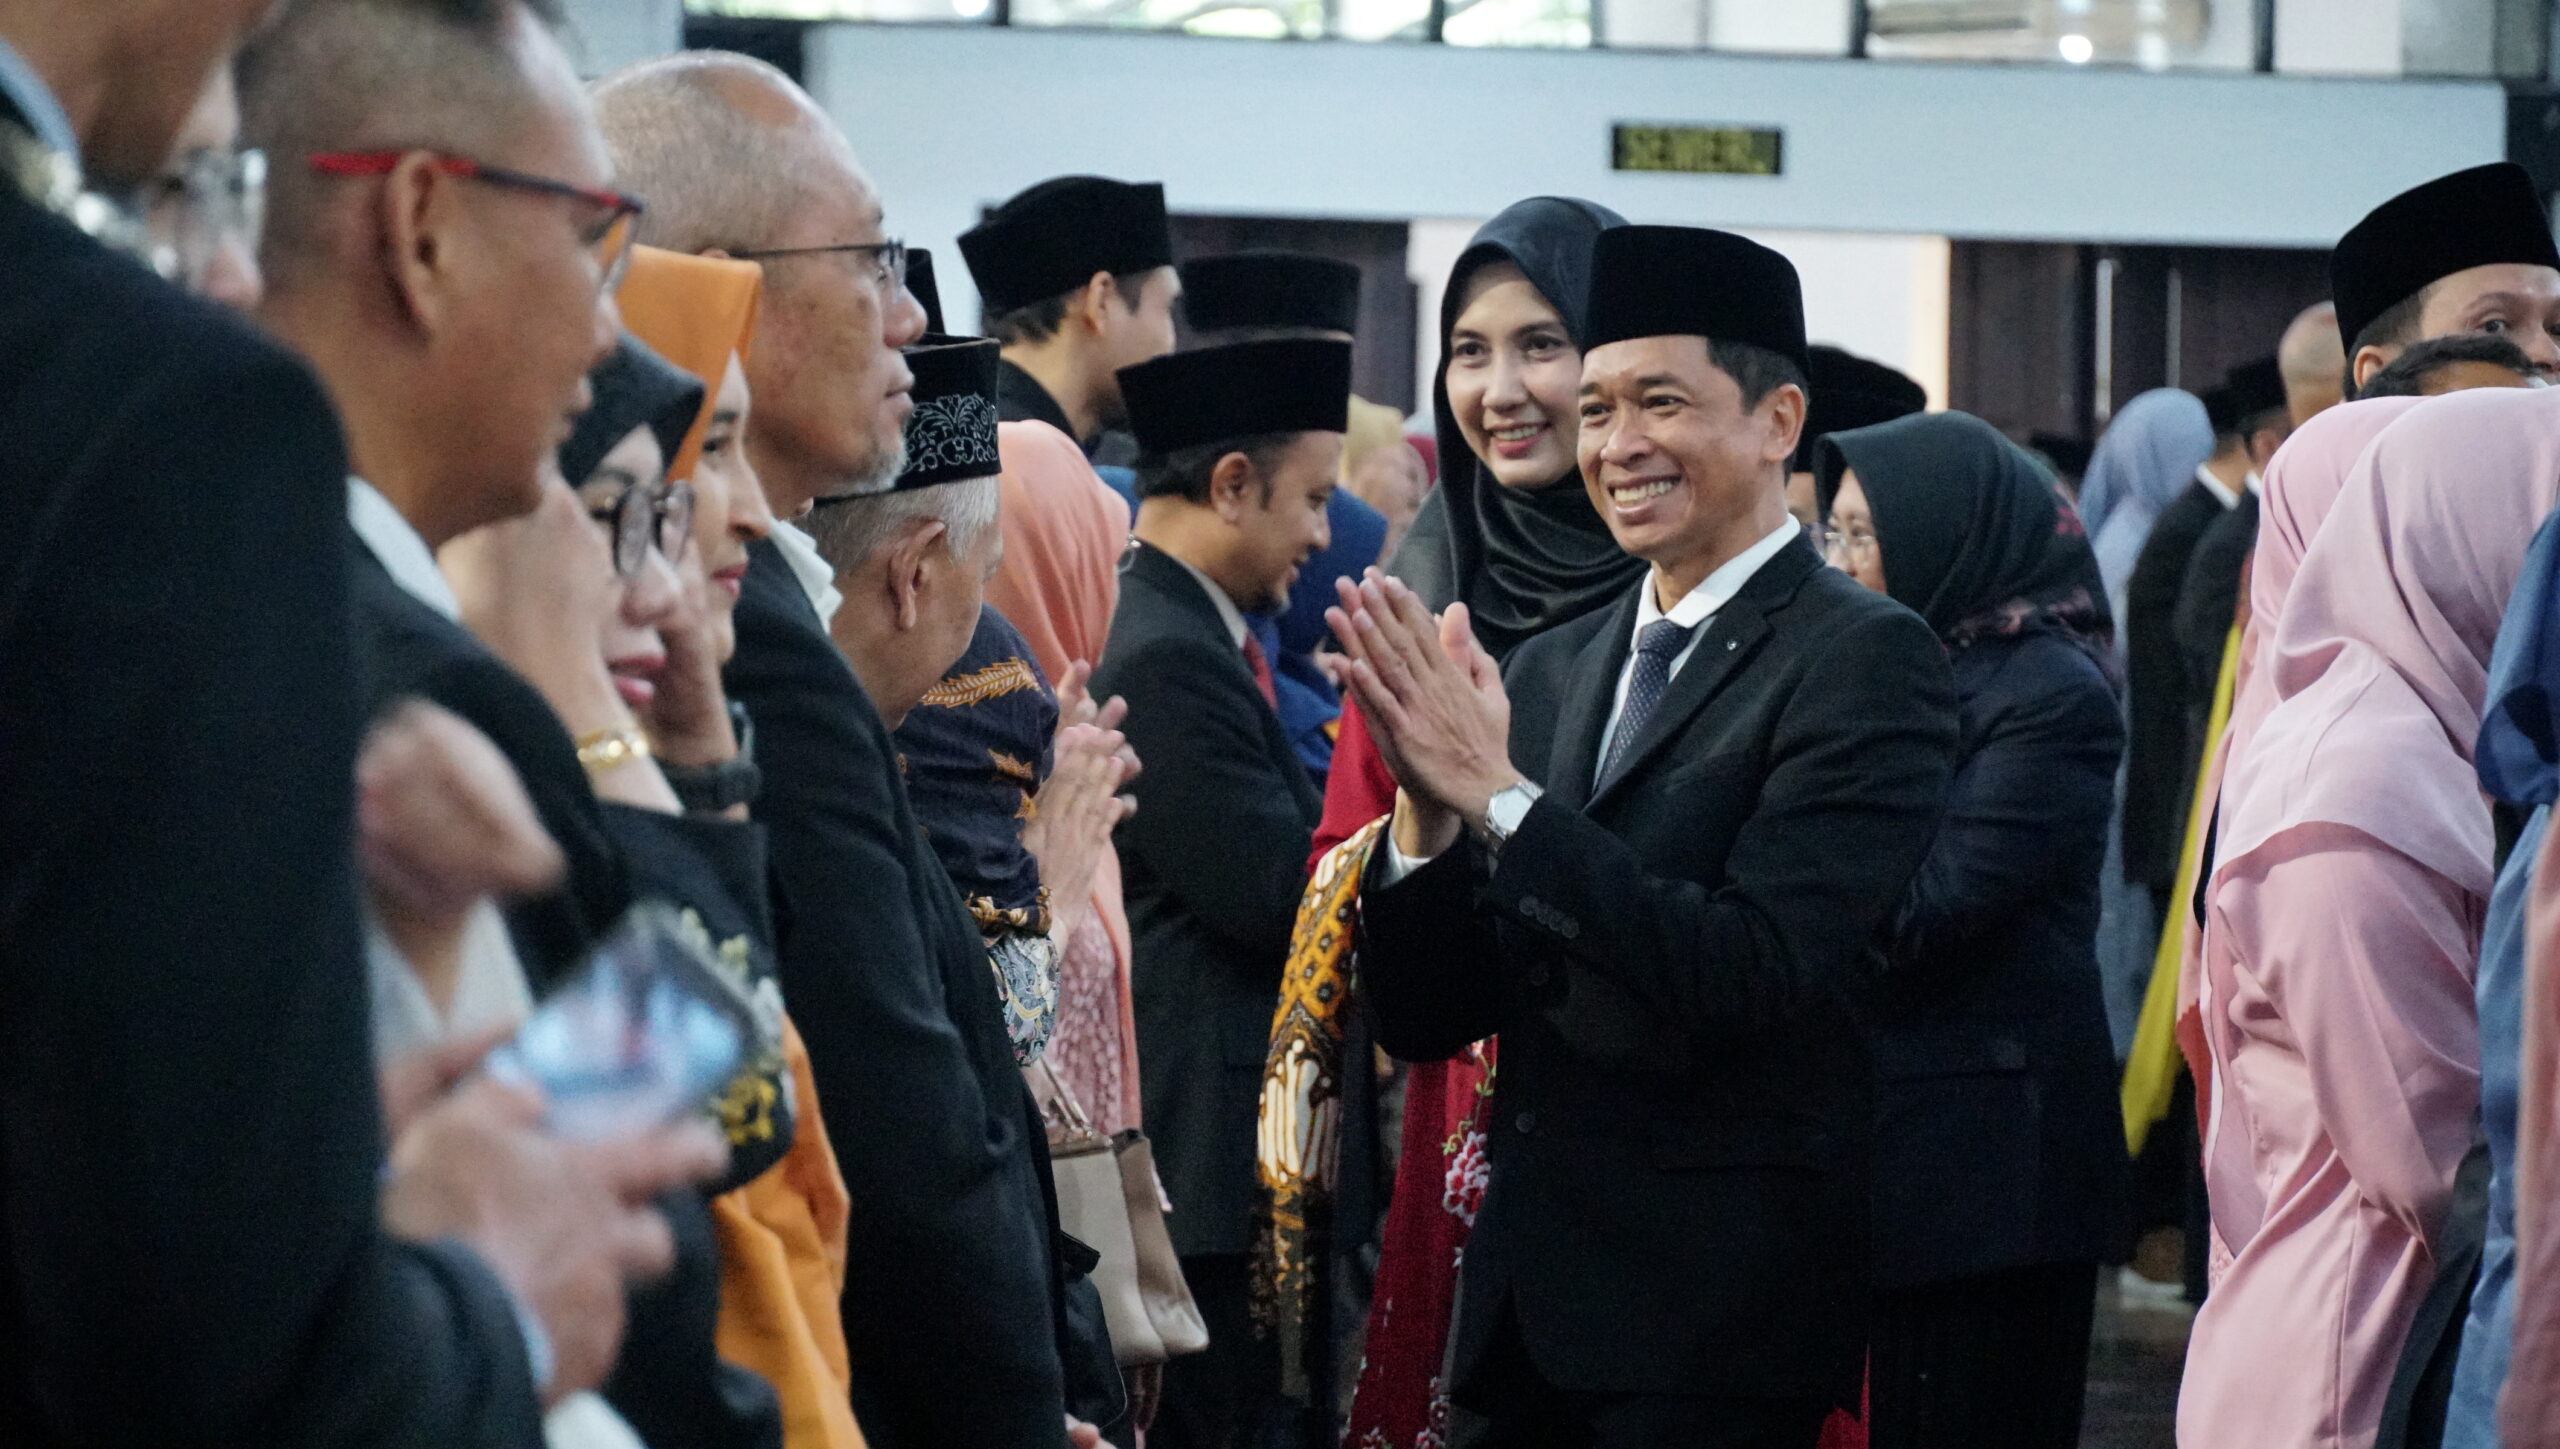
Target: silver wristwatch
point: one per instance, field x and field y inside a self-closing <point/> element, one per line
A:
<point x="1504" y="812"/>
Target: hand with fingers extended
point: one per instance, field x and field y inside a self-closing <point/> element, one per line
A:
<point x="567" y="1227"/>
<point x="1432" y="698"/>
<point x="1078" y="807"/>
<point x="1078" y="706"/>
<point x="687" y="718"/>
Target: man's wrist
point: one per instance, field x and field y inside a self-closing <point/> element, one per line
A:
<point x="1480" y="799"/>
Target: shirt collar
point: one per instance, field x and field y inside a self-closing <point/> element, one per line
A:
<point x="27" y="91"/>
<point x="399" y="549"/>
<point x="1228" y="613"/>
<point x="817" y="579"/>
<point x="2222" y="493"/>
<point x="1718" y="588"/>
<point x="2257" y="483"/>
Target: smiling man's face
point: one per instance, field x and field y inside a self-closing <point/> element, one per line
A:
<point x="1670" y="455"/>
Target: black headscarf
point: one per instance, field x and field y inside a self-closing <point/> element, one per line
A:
<point x="633" y="386"/>
<point x="1523" y="559"/>
<point x="1976" y="537"/>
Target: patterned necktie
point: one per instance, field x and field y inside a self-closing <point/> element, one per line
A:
<point x="1659" y="644"/>
<point x="1260" y="664"/>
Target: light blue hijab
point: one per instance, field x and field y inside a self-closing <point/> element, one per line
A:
<point x="2149" y="453"/>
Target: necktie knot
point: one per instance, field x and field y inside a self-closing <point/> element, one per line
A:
<point x="1260" y="663"/>
<point x="1662" y="640"/>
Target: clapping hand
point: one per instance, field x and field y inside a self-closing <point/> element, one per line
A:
<point x="1433" y="700"/>
<point x="1080" y="804"/>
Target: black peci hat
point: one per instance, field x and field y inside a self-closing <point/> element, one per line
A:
<point x="921" y="286"/>
<point x="1049" y="240"/>
<point x="1666" y="281"/>
<point x="1219" y="394"/>
<point x="951" y="435"/>
<point x="1270" y="289"/>
<point x="2250" y="389"/>
<point x="1846" y="391"/>
<point x="2474" y="218"/>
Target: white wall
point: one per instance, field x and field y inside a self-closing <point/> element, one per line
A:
<point x="951" y="119"/>
<point x="611" y="34"/>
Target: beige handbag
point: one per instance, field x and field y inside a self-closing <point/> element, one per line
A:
<point x="1107" y="1200"/>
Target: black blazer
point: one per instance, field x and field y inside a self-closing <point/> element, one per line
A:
<point x="1999" y="1143"/>
<point x="1676" y="963"/>
<point x="1213" y="865"/>
<point x="2208" y="602"/>
<point x="2161" y="749"/>
<point x="190" y="1137"/>
<point x="950" y="1312"/>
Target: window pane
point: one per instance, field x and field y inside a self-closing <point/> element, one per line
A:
<point x="1253" y="19"/>
<point x="1382" y="19"/>
<point x="934" y="10"/>
<point x="2152" y="34"/>
<point x="1563" y="23"/>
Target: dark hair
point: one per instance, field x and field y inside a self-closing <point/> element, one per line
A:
<point x="1039" y="321"/>
<point x="1756" y="370"/>
<point x="2396" y="324"/>
<point x="1184" y="472"/>
<point x="2408" y="374"/>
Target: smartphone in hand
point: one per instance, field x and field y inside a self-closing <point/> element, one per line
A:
<point x="640" y="1035"/>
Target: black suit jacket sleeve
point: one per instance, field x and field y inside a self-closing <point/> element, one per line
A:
<point x="2209" y="602"/>
<point x="939" y="1204"/>
<point x="1857" y="771"/>
<point x="2042" y="764"/>
<point x="1217" y="822"/>
<point x="1431" y="1003"/>
<point x="190" y="1143"/>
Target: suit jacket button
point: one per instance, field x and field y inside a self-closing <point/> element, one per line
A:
<point x="1527" y="1122"/>
<point x="1568" y="928"/>
<point x="1536" y="974"/>
<point x="1533" y="908"/>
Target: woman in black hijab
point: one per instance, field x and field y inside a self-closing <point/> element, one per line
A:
<point x="1510" y="529"/>
<point x="2000" y="1162"/>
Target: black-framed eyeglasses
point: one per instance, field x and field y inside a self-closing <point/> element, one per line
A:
<point x="888" y="258"/>
<point x="607" y="232"/>
<point x="642" y="517"/>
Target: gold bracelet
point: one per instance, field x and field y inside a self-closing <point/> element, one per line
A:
<point x="608" y="749"/>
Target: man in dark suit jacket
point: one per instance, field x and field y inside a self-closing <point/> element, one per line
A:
<point x="1241" y="446"/>
<point x="1742" y="766"/>
<point x="192" y="1161"/>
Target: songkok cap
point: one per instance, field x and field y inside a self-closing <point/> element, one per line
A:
<point x="1220" y="394"/>
<point x="920" y="285"/>
<point x="2474" y="218"/>
<point x="951" y="434"/>
<point x="1672" y="281"/>
<point x="2249" y="389"/>
<point x="1270" y="289"/>
<point x="633" y="386"/>
<point x="1848" y="391"/>
<point x="1051" y="239"/>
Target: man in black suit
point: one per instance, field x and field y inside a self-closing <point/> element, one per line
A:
<point x="2165" y="705"/>
<point x="1076" y="279"/>
<point x="1239" y="451"/>
<point x="1742" y="765"/>
<point x="205" y="1246"/>
<point x="951" y="1303"/>
<point x="2208" y="600"/>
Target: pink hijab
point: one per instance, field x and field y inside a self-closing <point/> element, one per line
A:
<point x="2302" y="484"/>
<point x="2380" y="659"/>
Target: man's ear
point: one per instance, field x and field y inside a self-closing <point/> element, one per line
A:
<point x="418" y="218"/>
<point x="1785" y="406"/>
<point x="2369" y="360"/>
<point x="2262" y="447"/>
<point x="1232" y="486"/>
<point x="910" y="561"/>
<point x="1090" y="307"/>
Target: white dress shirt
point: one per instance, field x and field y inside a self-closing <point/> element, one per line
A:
<point x="1228" y="613"/>
<point x="817" y="577"/>
<point x="36" y="101"/>
<point x="2221" y="491"/>
<point x="402" y="552"/>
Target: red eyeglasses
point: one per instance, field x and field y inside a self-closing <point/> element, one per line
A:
<point x="607" y="233"/>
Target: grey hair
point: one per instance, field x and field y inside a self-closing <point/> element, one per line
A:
<point x="712" y="175"/>
<point x="849" y="531"/>
<point x="359" y="75"/>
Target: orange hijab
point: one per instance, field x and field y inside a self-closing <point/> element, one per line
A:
<point x="697" y="312"/>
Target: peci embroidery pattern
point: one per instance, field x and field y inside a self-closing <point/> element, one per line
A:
<point x="946" y="434"/>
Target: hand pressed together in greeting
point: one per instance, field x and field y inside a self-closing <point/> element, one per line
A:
<point x="1434" y="703"/>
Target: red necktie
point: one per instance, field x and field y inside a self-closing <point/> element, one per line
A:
<point x="1260" y="664"/>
